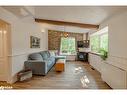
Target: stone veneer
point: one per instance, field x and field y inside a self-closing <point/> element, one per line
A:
<point x="54" y="38"/>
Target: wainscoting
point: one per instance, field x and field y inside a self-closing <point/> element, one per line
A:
<point x="17" y="63"/>
<point x="113" y="70"/>
<point x="71" y="57"/>
<point x="77" y="75"/>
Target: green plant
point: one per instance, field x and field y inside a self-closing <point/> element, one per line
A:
<point x="104" y="53"/>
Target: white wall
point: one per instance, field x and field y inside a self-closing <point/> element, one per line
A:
<point x="114" y="70"/>
<point x="114" y="76"/>
<point x="117" y="40"/>
<point x="21" y="30"/>
<point x="95" y="61"/>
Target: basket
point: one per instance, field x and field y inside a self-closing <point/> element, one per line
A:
<point x="24" y="75"/>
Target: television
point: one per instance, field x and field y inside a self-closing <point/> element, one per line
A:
<point x="80" y="44"/>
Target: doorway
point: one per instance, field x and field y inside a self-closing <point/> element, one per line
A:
<point x="5" y="50"/>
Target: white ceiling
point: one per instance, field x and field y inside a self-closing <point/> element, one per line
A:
<point x="18" y="11"/>
<point x="80" y="14"/>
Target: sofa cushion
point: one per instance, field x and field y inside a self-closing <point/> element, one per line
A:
<point x="45" y="54"/>
<point x="35" y="56"/>
<point x="52" y="59"/>
<point x="48" y="62"/>
<point x="52" y="53"/>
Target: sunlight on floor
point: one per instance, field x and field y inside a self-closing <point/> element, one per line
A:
<point x="85" y="81"/>
<point x="78" y="70"/>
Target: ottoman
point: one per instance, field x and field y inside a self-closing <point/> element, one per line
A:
<point x="60" y="65"/>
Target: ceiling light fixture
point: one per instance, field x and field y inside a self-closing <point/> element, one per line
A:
<point x="65" y="33"/>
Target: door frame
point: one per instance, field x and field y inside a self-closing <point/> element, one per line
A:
<point x="8" y="51"/>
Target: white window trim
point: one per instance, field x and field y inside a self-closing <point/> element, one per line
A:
<point x="100" y="33"/>
<point x="65" y="54"/>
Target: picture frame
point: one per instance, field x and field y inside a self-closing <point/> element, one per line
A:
<point x="34" y="42"/>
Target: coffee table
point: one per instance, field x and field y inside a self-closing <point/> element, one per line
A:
<point x="60" y="65"/>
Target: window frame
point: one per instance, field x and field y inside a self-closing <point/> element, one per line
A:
<point x="99" y="34"/>
<point x="61" y="46"/>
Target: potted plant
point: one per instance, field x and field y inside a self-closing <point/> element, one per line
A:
<point x="103" y="54"/>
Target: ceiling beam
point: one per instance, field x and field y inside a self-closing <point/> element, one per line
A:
<point x="64" y="23"/>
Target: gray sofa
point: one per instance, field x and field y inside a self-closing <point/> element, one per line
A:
<point x="40" y="63"/>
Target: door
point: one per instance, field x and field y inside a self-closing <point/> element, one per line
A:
<point x="3" y="51"/>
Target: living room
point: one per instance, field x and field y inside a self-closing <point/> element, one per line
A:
<point x="30" y="32"/>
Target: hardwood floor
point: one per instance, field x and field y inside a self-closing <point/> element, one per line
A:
<point x="77" y="75"/>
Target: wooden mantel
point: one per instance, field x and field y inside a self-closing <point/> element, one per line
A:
<point x="81" y="25"/>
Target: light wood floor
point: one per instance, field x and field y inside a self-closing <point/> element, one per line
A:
<point x="77" y="75"/>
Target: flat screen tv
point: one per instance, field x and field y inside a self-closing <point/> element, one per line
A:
<point x="80" y="44"/>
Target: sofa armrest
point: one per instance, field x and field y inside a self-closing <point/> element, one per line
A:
<point x="37" y="67"/>
<point x="60" y="57"/>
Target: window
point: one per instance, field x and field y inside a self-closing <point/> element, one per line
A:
<point x="94" y="41"/>
<point x="99" y="40"/>
<point x="67" y="46"/>
<point x="104" y="41"/>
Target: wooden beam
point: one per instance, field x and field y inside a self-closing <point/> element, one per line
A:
<point x="81" y="25"/>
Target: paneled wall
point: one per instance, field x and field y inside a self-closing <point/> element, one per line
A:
<point x="114" y="76"/>
<point x="21" y="30"/>
<point x="54" y="38"/>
